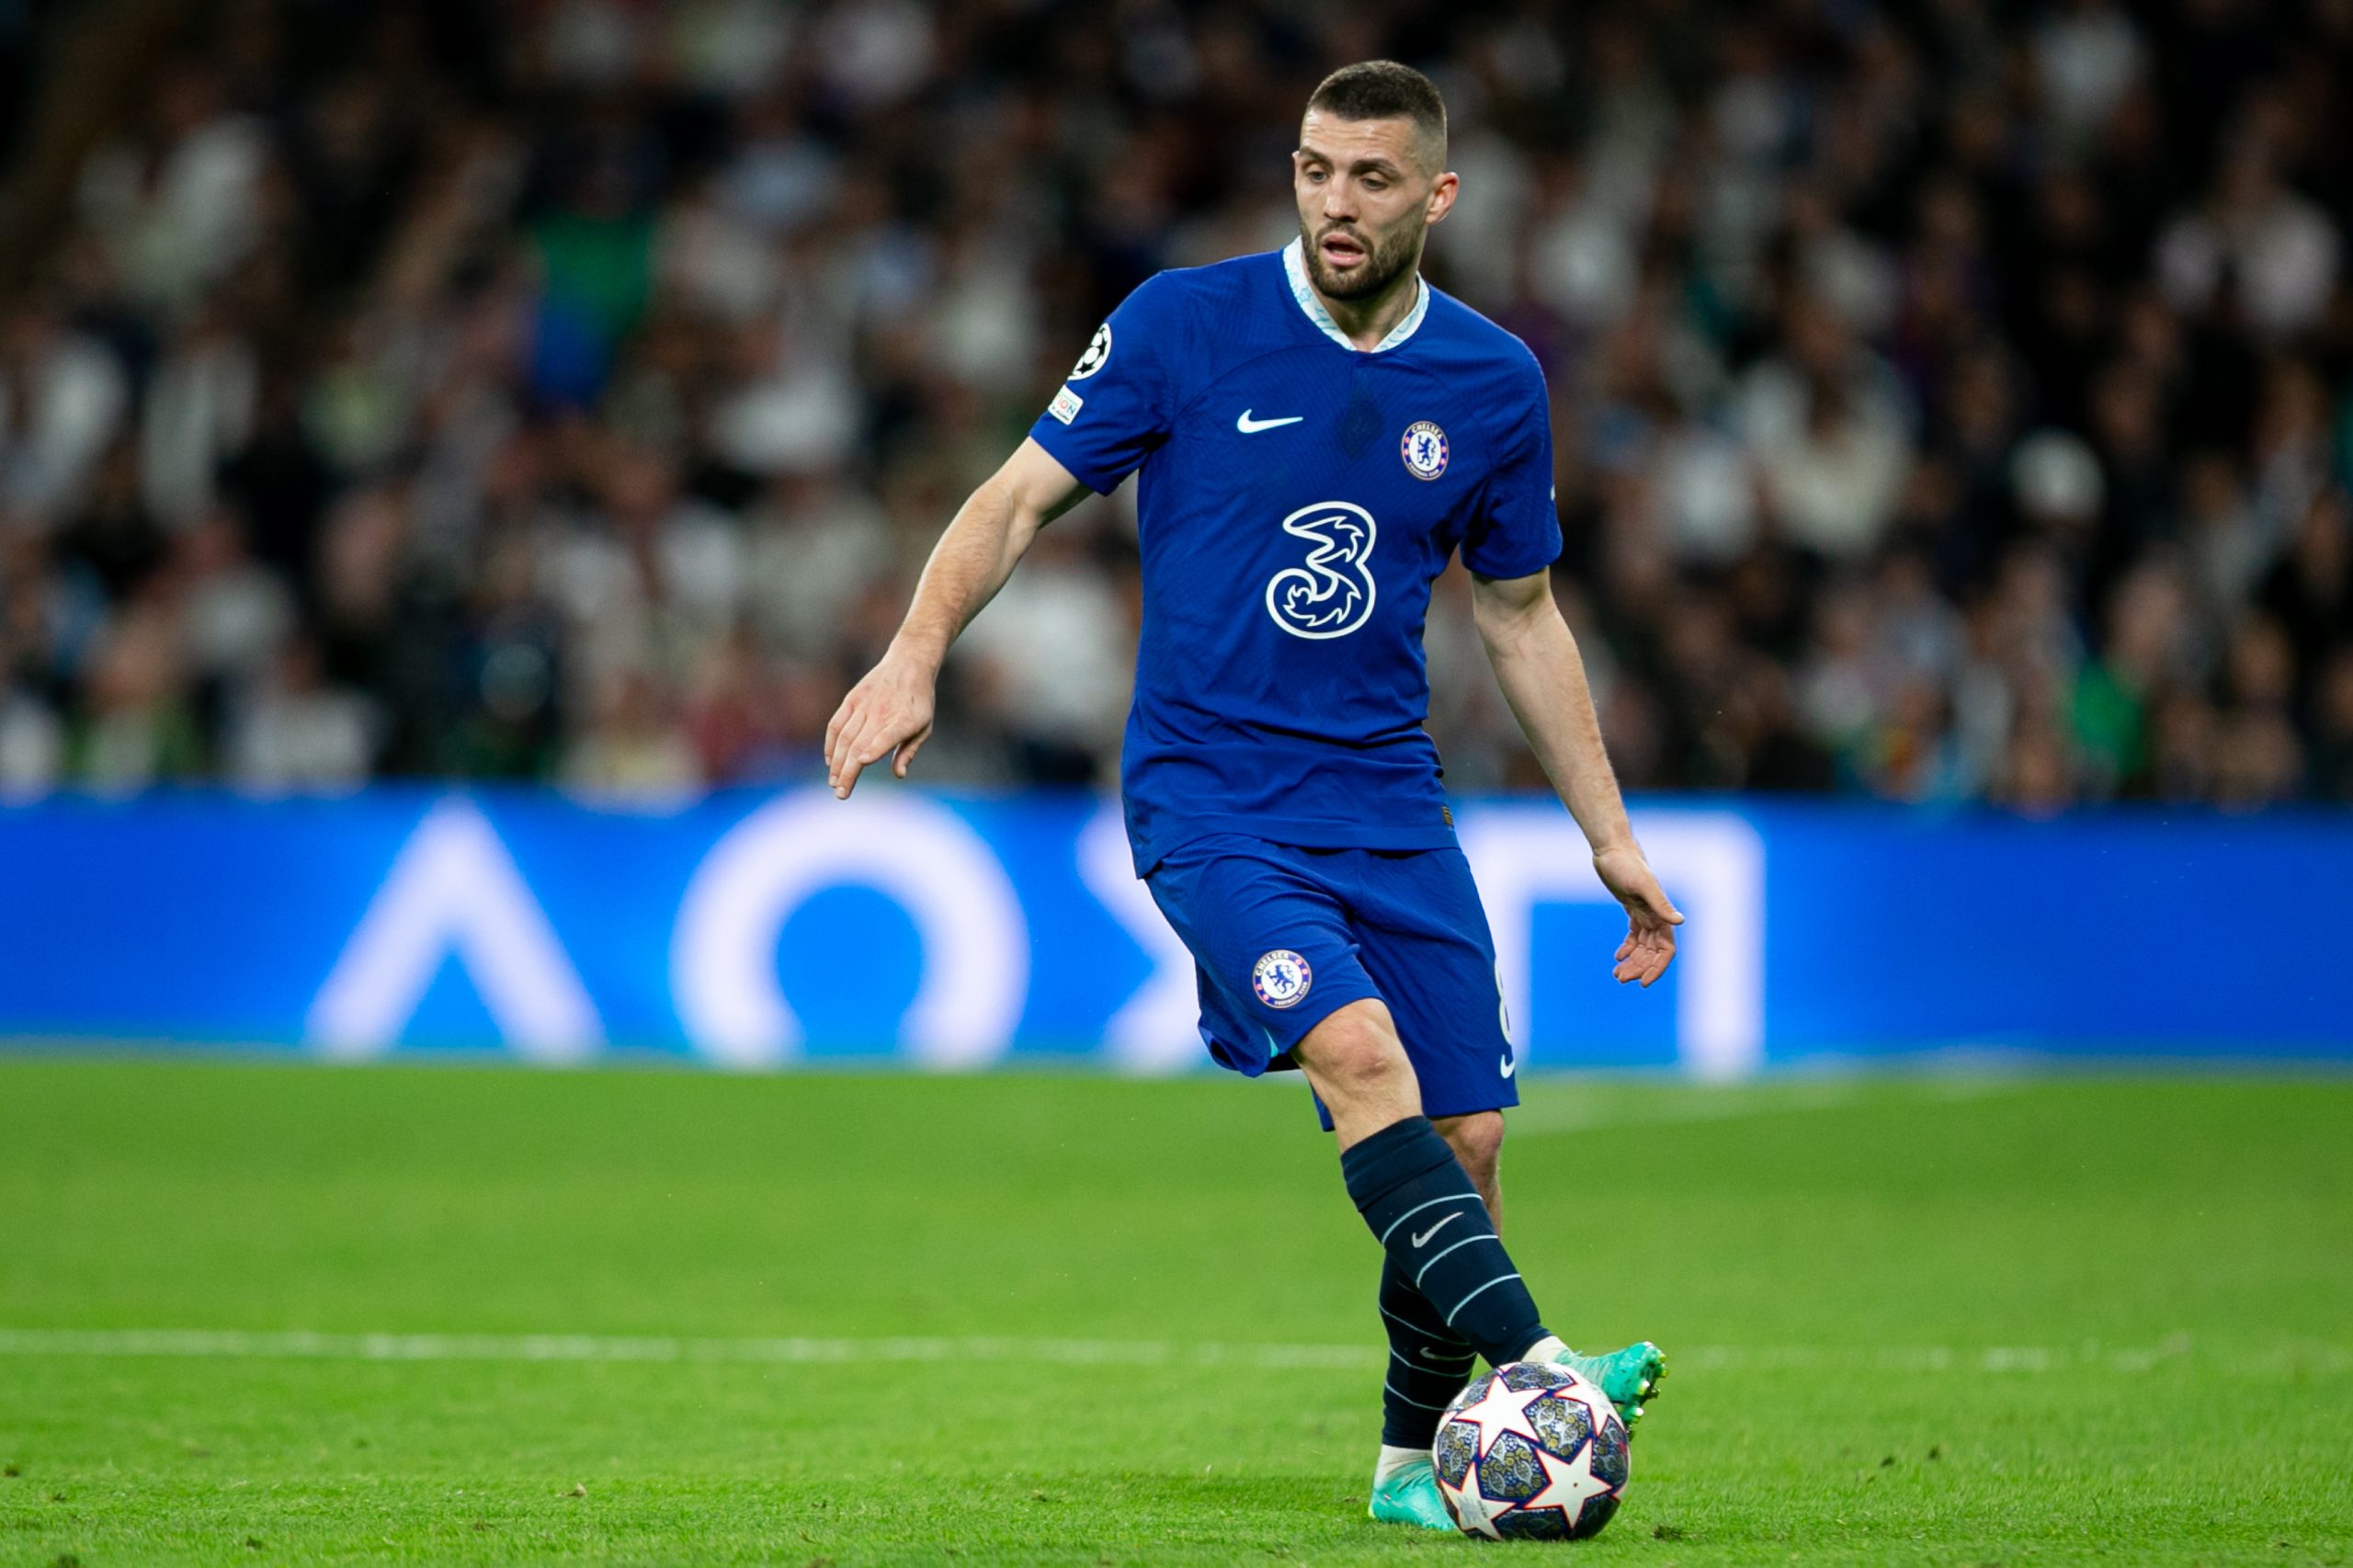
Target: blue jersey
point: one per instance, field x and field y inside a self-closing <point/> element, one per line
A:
<point x="1298" y="496"/>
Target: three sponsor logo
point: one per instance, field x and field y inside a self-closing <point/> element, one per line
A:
<point x="1331" y="592"/>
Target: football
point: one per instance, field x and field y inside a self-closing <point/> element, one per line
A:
<point x="1531" y="1452"/>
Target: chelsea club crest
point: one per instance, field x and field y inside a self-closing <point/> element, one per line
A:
<point x="1424" y="449"/>
<point x="1280" y="978"/>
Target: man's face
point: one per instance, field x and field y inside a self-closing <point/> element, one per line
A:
<point x="1366" y="200"/>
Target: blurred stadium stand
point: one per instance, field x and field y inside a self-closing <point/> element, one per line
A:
<point x="1952" y="397"/>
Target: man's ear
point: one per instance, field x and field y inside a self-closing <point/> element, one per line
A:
<point x="1442" y="195"/>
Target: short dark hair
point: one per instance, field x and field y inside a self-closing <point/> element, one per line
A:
<point x="1383" y="89"/>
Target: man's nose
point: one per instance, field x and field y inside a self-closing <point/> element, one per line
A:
<point x="1339" y="202"/>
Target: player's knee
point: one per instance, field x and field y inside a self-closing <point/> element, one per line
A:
<point x="1356" y="1051"/>
<point x="1370" y="1066"/>
<point x="1478" y="1142"/>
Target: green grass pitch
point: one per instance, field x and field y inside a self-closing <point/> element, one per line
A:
<point x="1073" y="1320"/>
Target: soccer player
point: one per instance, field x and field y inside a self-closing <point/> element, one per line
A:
<point x="1318" y="431"/>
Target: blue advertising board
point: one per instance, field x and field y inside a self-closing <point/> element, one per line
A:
<point x="757" y="931"/>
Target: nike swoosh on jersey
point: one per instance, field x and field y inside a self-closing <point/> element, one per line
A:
<point x="1509" y="1067"/>
<point x="1434" y="1230"/>
<point x="1248" y="426"/>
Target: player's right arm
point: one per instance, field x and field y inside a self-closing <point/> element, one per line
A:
<point x="889" y="713"/>
<point x="1112" y="412"/>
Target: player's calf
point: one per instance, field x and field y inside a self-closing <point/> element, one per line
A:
<point x="1431" y="1222"/>
<point x="1429" y="1364"/>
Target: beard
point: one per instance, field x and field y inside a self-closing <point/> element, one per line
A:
<point x="1385" y="260"/>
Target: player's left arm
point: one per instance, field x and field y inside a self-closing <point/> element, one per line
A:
<point x="1542" y="675"/>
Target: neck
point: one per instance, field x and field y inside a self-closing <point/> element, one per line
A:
<point x="1367" y="321"/>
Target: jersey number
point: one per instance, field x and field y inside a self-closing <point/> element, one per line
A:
<point x="1329" y="594"/>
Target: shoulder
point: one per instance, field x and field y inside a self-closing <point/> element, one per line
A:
<point x="1490" y="374"/>
<point x="1194" y="321"/>
<point x="1190" y="319"/>
<point x="1480" y="353"/>
<point x="1236" y="278"/>
<point x="1201" y="293"/>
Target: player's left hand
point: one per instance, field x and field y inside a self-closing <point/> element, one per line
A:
<point x="1651" y="920"/>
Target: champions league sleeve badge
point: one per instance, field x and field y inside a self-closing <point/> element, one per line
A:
<point x="1424" y="449"/>
<point x="1098" y="353"/>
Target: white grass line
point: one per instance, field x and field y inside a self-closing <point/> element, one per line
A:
<point x="302" y="1345"/>
<point x="1558" y="1112"/>
<point x="1572" y="1108"/>
<point x="2301" y="1357"/>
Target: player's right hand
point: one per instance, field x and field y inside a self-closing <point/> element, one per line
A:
<point x="887" y="714"/>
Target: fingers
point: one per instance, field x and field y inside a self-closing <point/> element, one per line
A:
<point x="847" y="761"/>
<point x="887" y="714"/>
<point x="869" y="745"/>
<point x="1644" y="955"/>
<point x="1661" y="955"/>
<point x="845" y="778"/>
<point x="866" y="739"/>
<point x="833" y="727"/>
<point x="1632" y="966"/>
<point x="1651" y="920"/>
<point x="848" y="753"/>
<point x="834" y="764"/>
<point x="845" y="719"/>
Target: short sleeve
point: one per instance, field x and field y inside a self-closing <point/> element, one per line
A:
<point x="1517" y="531"/>
<point x="1114" y="407"/>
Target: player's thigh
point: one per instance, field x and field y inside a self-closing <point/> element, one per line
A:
<point x="1271" y="939"/>
<point x="1423" y="940"/>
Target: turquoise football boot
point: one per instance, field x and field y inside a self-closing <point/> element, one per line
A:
<point x="1629" y="1377"/>
<point x="1408" y="1495"/>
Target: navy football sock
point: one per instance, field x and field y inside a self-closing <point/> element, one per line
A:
<point x="1412" y="1192"/>
<point x="1428" y="1363"/>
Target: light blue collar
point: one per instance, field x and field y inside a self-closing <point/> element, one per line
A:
<point x="1295" y="269"/>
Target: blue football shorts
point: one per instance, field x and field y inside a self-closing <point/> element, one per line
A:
<point x="1281" y="936"/>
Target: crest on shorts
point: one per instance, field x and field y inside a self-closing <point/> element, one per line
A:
<point x="1281" y="978"/>
<point x="1424" y="449"/>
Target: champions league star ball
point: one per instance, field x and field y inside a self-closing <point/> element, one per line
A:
<point x="1530" y="1451"/>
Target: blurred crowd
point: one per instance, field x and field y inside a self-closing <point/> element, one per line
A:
<point x="1954" y="400"/>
